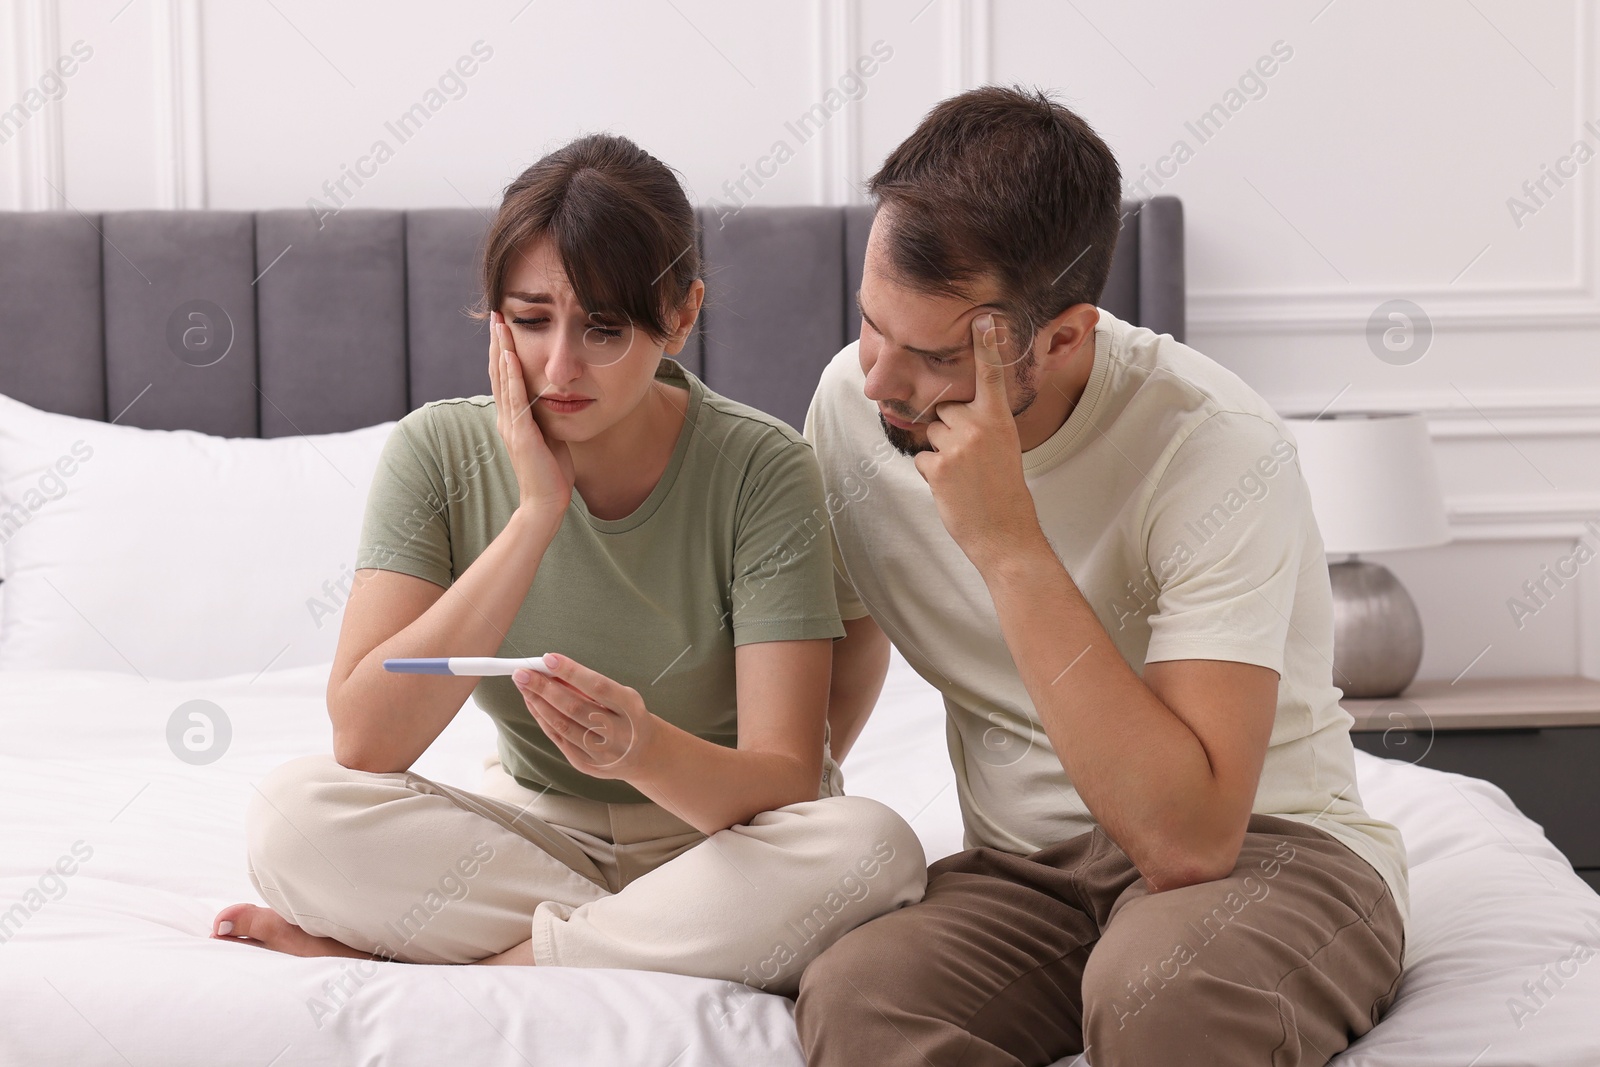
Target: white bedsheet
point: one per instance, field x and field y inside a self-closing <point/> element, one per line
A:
<point x="114" y="965"/>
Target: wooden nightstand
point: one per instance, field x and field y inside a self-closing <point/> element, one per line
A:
<point x="1536" y="738"/>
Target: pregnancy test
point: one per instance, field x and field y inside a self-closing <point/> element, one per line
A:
<point x="466" y="665"/>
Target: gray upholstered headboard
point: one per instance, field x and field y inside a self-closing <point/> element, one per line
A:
<point x="302" y="330"/>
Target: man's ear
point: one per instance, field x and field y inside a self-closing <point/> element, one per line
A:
<point x="687" y="312"/>
<point x="1065" y="335"/>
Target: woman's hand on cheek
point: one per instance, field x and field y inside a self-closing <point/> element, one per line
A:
<point x="600" y="726"/>
<point x="543" y="467"/>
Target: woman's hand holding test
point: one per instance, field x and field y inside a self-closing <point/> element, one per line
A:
<point x="600" y="725"/>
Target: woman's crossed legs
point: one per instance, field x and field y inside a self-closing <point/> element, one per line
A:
<point x="398" y="866"/>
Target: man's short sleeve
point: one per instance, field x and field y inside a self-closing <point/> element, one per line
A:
<point x="782" y="560"/>
<point x="1228" y="527"/>
<point x="844" y="590"/>
<point x="405" y="527"/>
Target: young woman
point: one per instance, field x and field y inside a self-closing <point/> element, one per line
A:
<point x="660" y="800"/>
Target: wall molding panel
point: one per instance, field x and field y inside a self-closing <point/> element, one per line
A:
<point x="40" y="165"/>
<point x="836" y="45"/>
<point x="1565" y="413"/>
<point x="1343" y="310"/>
<point x="1522" y="516"/>
<point x="179" y="68"/>
<point x="965" y="34"/>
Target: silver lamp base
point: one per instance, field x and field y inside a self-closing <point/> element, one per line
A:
<point x="1377" y="633"/>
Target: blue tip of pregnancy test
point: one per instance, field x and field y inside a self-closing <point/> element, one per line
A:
<point x="417" y="666"/>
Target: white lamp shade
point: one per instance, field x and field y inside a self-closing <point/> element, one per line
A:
<point x="1374" y="485"/>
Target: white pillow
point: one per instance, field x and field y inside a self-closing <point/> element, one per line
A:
<point x="175" y="554"/>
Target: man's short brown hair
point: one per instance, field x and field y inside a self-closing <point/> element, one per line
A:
<point x="1004" y="183"/>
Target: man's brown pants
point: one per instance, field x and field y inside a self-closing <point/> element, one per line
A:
<point x="1021" y="960"/>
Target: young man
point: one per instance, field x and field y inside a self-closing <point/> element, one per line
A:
<point x="1097" y="544"/>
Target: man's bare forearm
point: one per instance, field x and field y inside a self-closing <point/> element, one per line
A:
<point x="384" y="721"/>
<point x="1140" y="769"/>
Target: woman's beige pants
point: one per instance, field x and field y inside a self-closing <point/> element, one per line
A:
<point x="407" y="868"/>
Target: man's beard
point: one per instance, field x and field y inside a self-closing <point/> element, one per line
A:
<point x="905" y="441"/>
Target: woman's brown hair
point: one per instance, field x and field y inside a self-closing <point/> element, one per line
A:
<point x="622" y="226"/>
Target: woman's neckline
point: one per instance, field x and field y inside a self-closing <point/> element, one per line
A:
<point x="671" y="373"/>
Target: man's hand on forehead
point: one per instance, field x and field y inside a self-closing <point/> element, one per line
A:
<point x="975" y="469"/>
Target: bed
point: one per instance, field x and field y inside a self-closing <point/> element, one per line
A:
<point x="138" y="704"/>
<point x="118" y="968"/>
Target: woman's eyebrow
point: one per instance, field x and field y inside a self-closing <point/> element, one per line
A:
<point x="533" y="298"/>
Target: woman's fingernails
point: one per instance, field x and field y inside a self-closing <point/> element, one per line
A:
<point x="521" y="677"/>
<point x="224" y="928"/>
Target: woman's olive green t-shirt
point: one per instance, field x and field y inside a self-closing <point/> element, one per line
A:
<point x="732" y="547"/>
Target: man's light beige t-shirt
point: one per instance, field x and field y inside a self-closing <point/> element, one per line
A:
<point x="725" y="551"/>
<point x="1172" y="496"/>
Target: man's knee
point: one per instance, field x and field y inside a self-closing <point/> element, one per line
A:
<point x="871" y="960"/>
<point x="1120" y="991"/>
<point x="1148" y="1010"/>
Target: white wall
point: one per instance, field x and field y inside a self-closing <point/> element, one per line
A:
<point x="1375" y="163"/>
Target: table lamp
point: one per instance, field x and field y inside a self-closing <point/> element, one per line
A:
<point x="1374" y="488"/>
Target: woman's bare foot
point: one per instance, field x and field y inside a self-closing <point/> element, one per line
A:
<point x="253" y="925"/>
